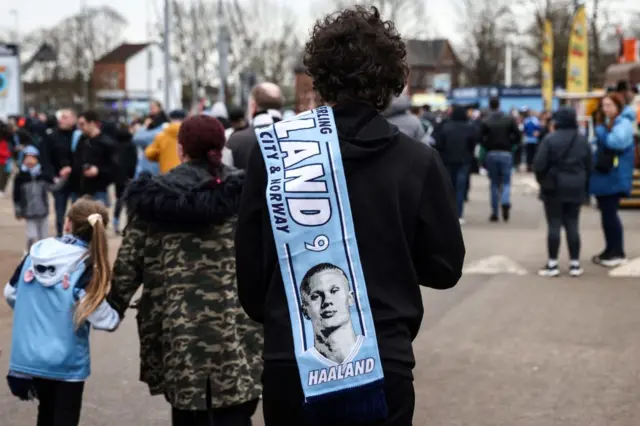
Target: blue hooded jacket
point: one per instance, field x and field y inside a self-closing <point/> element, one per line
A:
<point x="620" y="139"/>
<point x="142" y="139"/>
<point x="629" y="113"/>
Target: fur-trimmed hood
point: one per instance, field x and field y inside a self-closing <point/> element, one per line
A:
<point x="186" y="197"/>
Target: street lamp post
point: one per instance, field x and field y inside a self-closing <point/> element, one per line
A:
<point x="167" y="54"/>
<point x="16" y="31"/>
<point x="223" y="51"/>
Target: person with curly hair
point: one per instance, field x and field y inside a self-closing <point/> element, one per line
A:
<point x="403" y="208"/>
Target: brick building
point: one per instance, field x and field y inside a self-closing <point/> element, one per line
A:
<point x="131" y="75"/>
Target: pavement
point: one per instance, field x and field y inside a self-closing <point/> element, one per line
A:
<point x="503" y="348"/>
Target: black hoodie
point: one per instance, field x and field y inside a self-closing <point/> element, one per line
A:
<point x="406" y="226"/>
<point x="457" y="138"/>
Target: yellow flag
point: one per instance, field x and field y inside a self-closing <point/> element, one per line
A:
<point x="547" y="66"/>
<point x="578" y="55"/>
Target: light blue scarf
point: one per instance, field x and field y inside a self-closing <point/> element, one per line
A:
<point x="334" y="336"/>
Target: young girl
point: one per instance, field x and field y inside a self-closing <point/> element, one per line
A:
<point x="57" y="293"/>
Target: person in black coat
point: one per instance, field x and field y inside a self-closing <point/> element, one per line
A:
<point x="125" y="163"/>
<point x="57" y="159"/>
<point x="456" y="144"/>
<point x="562" y="166"/>
<point x="403" y="208"/>
<point x="93" y="167"/>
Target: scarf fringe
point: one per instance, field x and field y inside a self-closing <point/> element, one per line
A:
<point x="362" y="404"/>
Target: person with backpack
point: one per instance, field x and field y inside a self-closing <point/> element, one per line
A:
<point x="562" y="166"/>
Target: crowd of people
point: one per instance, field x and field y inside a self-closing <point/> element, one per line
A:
<point x="217" y="320"/>
<point x="570" y="169"/>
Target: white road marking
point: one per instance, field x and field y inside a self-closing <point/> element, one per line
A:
<point x="494" y="265"/>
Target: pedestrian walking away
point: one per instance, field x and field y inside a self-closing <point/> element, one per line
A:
<point x="456" y="144"/>
<point x="265" y="104"/>
<point x="179" y="243"/>
<point x="401" y="211"/>
<point x="562" y="166"/>
<point x="58" y="294"/>
<point x="500" y="138"/>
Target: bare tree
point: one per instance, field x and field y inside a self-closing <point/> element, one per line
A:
<point x="79" y="41"/>
<point x="487" y="26"/>
<point x="560" y="13"/>
<point x="604" y="16"/>
<point x="263" y="39"/>
<point x="409" y="16"/>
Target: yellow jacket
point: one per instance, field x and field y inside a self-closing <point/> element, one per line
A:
<point x="164" y="148"/>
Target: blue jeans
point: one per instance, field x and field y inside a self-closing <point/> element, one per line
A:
<point x="611" y="223"/>
<point x="60" y="202"/>
<point x="98" y="196"/>
<point x="499" y="166"/>
<point x="459" y="174"/>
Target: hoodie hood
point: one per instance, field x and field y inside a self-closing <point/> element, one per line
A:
<point x="399" y="105"/>
<point x="51" y="259"/>
<point x="186" y="197"/>
<point x="363" y="132"/>
<point x="172" y="130"/>
<point x="459" y="113"/>
<point x="629" y="113"/>
<point x="565" y="118"/>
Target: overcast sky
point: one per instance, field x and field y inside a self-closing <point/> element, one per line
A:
<point x="39" y="13"/>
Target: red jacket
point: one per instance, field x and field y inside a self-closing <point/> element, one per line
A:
<point x="5" y="152"/>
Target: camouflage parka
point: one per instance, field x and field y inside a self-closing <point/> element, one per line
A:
<point x="179" y="245"/>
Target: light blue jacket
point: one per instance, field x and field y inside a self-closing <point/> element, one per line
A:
<point x="43" y="294"/>
<point x="620" y="139"/>
<point x="142" y="139"/>
<point x="629" y="113"/>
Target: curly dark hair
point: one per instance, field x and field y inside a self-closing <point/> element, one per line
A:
<point x="355" y="55"/>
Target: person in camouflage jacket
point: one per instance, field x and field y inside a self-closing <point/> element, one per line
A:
<point x="197" y="346"/>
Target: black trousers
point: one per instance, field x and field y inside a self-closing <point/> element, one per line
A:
<point x="60" y="402"/>
<point x="282" y="399"/>
<point x="120" y="188"/>
<point x="236" y="415"/>
<point x="563" y="215"/>
<point x="530" y="152"/>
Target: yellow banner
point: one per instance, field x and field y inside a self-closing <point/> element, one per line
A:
<point x="547" y="66"/>
<point x="578" y="55"/>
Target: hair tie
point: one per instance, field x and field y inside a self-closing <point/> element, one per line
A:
<point x="94" y="218"/>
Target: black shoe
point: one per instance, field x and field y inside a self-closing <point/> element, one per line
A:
<point x="609" y="260"/>
<point x="575" y="270"/>
<point x="549" y="271"/>
<point x="493" y="218"/>
<point x="506" y="210"/>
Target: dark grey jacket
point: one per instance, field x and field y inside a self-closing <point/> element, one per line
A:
<point x="30" y="197"/>
<point x="573" y="173"/>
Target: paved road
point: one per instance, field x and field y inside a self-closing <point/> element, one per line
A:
<point x="504" y="347"/>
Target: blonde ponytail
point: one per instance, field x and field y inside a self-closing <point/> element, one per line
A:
<point x="88" y="220"/>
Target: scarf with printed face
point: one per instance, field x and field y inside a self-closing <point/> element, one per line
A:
<point x="334" y="336"/>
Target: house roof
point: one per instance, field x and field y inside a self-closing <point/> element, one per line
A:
<point x="122" y="53"/>
<point x="420" y="53"/>
<point x="425" y="53"/>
